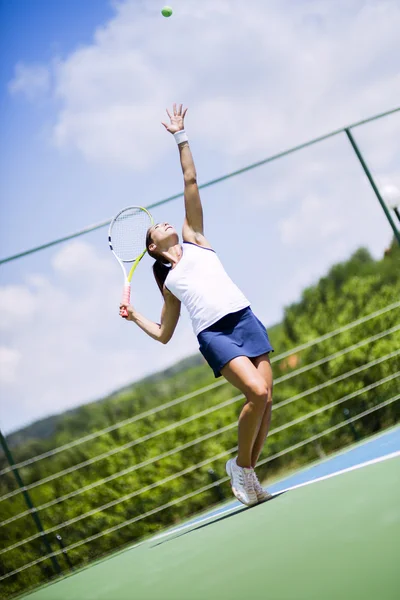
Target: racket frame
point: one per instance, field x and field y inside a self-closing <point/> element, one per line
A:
<point x="126" y="295"/>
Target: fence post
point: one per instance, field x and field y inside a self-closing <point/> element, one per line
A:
<point x="64" y="551"/>
<point x="218" y="489"/>
<point x="373" y="184"/>
<point x="29" y="503"/>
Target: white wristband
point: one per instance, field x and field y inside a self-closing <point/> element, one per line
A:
<point x="181" y="136"/>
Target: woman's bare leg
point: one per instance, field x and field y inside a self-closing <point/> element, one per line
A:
<point x="244" y="375"/>
<point x="263" y="366"/>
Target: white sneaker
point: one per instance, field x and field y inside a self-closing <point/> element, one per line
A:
<point x="261" y="494"/>
<point x="242" y="482"/>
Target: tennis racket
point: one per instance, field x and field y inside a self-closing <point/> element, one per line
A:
<point x="127" y="241"/>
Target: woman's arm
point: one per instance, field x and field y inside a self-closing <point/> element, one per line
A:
<point x="193" y="209"/>
<point x="162" y="332"/>
<point x="193" y="227"/>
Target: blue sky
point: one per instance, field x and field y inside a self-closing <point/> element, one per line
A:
<point x="83" y="88"/>
<point x="33" y="33"/>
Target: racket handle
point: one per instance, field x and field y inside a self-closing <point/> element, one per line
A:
<point x="126" y="297"/>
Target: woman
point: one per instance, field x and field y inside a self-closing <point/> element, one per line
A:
<point x="232" y="340"/>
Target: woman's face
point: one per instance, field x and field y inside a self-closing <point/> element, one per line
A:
<point x="163" y="236"/>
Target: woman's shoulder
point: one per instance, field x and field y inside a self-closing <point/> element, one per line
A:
<point x="197" y="239"/>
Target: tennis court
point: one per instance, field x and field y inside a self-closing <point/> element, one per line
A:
<point x="331" y="531"/>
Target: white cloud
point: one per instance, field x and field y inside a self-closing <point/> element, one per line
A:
<point x="17" y="303"/>
<point x="252" y="78"/>
<point x="32" y="81"/>
<point x="391" y="195"/>
<point x="312" y="218"/>
<point x="79" y="259"/>
<point x="9" y="361"/>
<point x="69" y="346"/>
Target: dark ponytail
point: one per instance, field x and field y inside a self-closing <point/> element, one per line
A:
<point x="160" y="268"/>
<point x="160" y="271"/>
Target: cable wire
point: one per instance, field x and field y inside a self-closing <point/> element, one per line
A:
<point x="198" y="440"/>
<point x="198" y="415"/>
<point x="205" y="185"/>
<point x="198" y="491"/>
<point x="191" y="395"/>
<point x="198" y="465"/>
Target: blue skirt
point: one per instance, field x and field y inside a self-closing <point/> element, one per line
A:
<point x="237" y="334"/>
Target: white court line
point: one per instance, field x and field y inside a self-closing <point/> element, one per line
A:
<point x="294" y="487"/>
<point x="223" y="512"/>
<point x="347" y="470"/>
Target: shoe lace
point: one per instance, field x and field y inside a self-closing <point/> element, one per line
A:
<point x="258" y="488"/>
<point x="256" y="483"/>
<point x="248" y="480"/>
<point x="241" y="476"/>
<point x="244" y="478"/>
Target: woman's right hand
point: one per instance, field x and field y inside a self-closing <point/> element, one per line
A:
<point x="177" y="119"/>
<point x="126" y="311"/>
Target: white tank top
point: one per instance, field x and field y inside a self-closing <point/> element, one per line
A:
<point x="201" y="283"/>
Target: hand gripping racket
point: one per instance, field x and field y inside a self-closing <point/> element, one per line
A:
<point x="127" y="240"/>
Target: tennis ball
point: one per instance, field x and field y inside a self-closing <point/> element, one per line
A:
<point x="166" y="11"/>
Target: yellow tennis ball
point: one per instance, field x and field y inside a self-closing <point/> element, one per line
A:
<point x="166" y="11"/>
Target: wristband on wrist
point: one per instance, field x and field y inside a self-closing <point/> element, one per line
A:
<point x="181" y="136"/>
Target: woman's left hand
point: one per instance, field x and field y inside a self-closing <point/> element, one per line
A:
<point x="177" y="119"/>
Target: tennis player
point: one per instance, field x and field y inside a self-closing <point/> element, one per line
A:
<point x="231" y="338"/>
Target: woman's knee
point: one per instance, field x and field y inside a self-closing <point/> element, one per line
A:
<point x="259" y="390"/>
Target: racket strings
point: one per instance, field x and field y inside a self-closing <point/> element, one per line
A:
<point x="128" y="233"/>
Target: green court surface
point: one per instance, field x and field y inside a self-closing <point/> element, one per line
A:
<point x="338" y="538"/>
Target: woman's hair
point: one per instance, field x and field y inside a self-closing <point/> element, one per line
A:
<point x="160" y="267"/>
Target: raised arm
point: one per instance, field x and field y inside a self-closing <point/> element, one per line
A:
<point x="162" y="332"/>
<point x="193" y="228"/>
